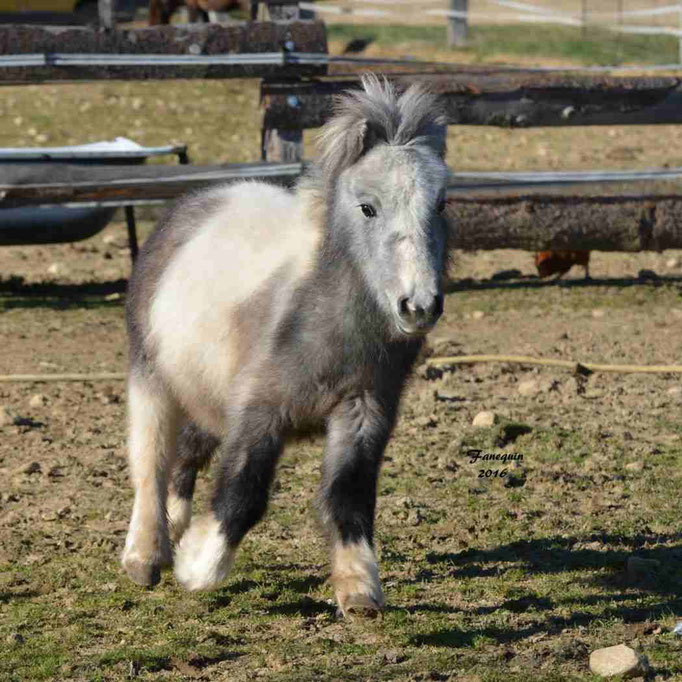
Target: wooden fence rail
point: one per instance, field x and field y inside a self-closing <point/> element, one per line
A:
<point x="604" y="216"/>
<point x="512" y="99"/>
<point x="30" y="54"/>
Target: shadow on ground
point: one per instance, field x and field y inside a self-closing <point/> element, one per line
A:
<point x="618" y="594"/>
<point x="534" y="282"/>
<point x="16" y="293"/>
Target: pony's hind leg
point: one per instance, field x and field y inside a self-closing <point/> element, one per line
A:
<point x="357" y="435"/>
<point x="153" y="424"/>
<point x="205" y="553"/>
<point x="195" y="449"/>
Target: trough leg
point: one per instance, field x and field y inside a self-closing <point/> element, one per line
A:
<point x="357" y="435"/>
<point x="132" y="231"/>
<point x="206" y="551"/>
<point x="153" y="430"/>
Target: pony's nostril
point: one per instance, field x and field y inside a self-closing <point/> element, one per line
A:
<point x="404" y="307"/>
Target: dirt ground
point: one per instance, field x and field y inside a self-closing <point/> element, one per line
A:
<point x="486" y="578"/>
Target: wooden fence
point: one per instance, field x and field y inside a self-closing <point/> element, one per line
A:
<point x="298" y="82"/>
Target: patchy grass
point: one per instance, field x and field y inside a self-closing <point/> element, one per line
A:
<point x="486" y="43"/>
<point x="488" y="578"/>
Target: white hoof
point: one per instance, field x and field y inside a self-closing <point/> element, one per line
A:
<point x="355" y="576"/>
<point x="203" y="558"/>
<point x="179" y="510"/>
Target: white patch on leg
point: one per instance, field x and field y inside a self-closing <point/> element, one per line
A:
<point x="153" y="432"/>
<point x="355" y="576"/>
<point x="203" y="558"/>
<point x="179" y="510"/>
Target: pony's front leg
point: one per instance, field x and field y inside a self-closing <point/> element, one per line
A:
<point x="357" y="435"/>
<point x="153" y="416"/>
<point x="248" y="458"/>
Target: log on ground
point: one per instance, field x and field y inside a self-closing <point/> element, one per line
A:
<point x="540" y="222"/>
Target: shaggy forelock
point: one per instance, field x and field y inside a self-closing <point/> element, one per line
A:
<point x="375" y="114"/>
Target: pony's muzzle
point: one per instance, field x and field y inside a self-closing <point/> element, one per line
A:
<point x="419" y="315"/>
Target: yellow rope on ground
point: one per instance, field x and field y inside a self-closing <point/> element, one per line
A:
<point x="104" y="376"/>
<point x="433" y="362"/>
<point x="568" y="364"/>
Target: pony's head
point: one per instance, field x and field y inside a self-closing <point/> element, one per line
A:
<point x="382" y="164"/>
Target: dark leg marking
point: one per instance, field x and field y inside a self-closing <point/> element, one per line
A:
<point x="248" y="458"/>
<point x="357" y="436"/>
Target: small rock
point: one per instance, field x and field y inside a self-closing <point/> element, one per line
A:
<point x="6" y="416"/>
<point x="598" y="313"/>
<point x="529" y="387"/>
<point x="618" y="660"/>
<point x="415" y="517"/>
<point x="639" y="568"/>
<point x="677" y="630"/>
<point x="672" y="263"/>
<point x="38" y="400"/>
<point x="634" y="466"/>
<point x="55" y="269"/>
<point x="63" y="511"/>
<point x="113" y="297"/>
<point x="30" y="468"/>
<point x="477" y="315"/>
<point x="674" y="391"/>
<point x="393" y="656"/>
<point x="484" y="420"/>
<point x="427" y="422"/>
<point x="448" y="397"/>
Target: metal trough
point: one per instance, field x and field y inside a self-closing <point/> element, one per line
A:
<point x="58" y="224"/>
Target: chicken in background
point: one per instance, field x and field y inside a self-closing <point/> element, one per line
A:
<point x="559" y="263"/>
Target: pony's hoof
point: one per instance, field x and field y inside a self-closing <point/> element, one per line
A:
<point x="144" y="568"/>
<point x="142" y="573"/>
<point x="361" y="605"/>
<point x="203" y="558"/>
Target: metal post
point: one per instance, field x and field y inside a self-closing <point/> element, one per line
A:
<point x="132" y="231"/>
<point x="457" y="24"/>
<point x="283" y="145"/>
<point x="107" y="14"/>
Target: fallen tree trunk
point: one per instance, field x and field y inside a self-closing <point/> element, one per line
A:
<point x="540" y="222"/>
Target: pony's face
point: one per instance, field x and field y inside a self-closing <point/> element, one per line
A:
<point x="391" y="203"/>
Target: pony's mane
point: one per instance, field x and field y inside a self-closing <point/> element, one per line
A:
<point x="376" y="114"/>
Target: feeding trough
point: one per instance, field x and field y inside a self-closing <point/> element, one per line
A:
<point x="57" y="224"/>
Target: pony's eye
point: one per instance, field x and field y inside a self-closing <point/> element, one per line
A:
<point x="441" y="206"/>
<point x="368" y="210"/>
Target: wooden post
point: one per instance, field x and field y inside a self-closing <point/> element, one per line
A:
<point x="107" y="14"/>
<point x="283" y="145"/>
<point x="457" y="25"/>
<point x="679" y="37"/>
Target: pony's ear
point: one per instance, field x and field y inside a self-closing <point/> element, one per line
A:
<point x="343" y="140"/>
